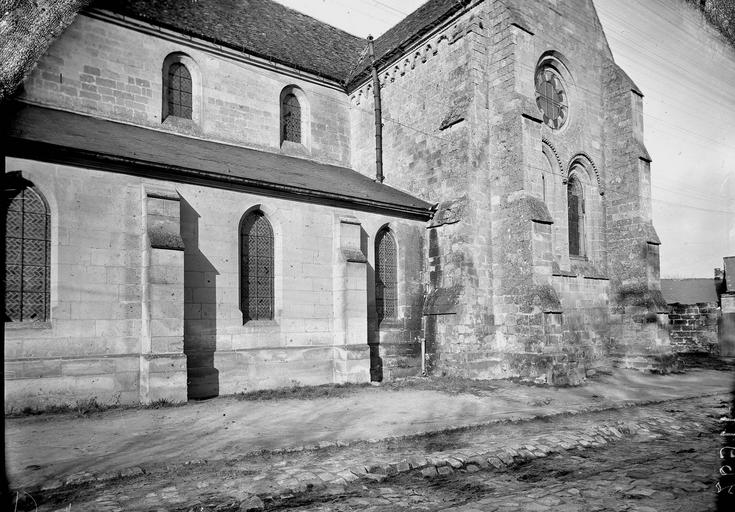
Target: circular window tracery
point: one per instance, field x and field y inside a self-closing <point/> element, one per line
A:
<point x="551" y="97"/>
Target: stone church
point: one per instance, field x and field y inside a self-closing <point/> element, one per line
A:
<point x="209" y="197"/>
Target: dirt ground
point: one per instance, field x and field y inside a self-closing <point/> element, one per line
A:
<point x="44" y="448"/>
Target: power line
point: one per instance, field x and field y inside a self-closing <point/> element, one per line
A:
<point x="398" y="11"/>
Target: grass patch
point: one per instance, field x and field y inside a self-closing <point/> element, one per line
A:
<point x="298" y="392"/>
<point x="88" y="407"/>
<point x="705" y="361"/>
<point x="451" y="385"/>
<point x="79" y="408"/>
<point x="444" y="384"/>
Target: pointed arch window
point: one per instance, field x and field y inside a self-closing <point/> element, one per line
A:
<point x="178" y="91"/>
<point x="291" y="118"/>
<point x="27" y="253"/>
<point x="575" y="209"/>
<point x="386" y="279"/>
<point x="256" y="267"/>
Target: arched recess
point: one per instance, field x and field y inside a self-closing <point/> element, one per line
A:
<point x="295" y="118"/>
<point x="576" y="217"/>
<point x="553" y="192"/>
<point x="584" y="160"/>
<point x="553" y="171"/>
<point x="177" y="68"/>
<point x="28" y="251"/>
<point x="386" y="275"/>
<point x="257" y="266"/>
<point x="583" y="174"/>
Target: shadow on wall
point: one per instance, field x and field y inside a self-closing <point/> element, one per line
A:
<point x="376" y="362"/>
<point x="435" y="281"/>
<point x="200" y="310"/>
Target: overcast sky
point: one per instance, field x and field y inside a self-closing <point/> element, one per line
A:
<point x="687" y="74"/>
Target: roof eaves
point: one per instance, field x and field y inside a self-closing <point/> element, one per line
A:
<point x="195" y="35"/>
<point x="415" y="36"/>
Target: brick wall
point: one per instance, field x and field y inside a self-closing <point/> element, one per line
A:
<point x="107" y="70"/>
<point x="694" y="328"/>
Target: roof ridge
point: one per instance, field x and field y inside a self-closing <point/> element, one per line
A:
<point x="264" y="28"/>
<point x="410" y="29"/>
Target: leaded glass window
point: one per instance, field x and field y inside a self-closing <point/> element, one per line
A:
<point x="256" y="268"/>
<point x="551" y="97"/>
<point x="291" y="112"/>
<point x="27" y="254"/>
<point x="386" y="280"/>
<point x="179" y="91"/>
<point x="575" y="208"/>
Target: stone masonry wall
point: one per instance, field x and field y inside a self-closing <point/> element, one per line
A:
<point x="298" y="345"/>
<point x="111" y="71"/>
<point x="460" y="122"/>
<point x="90" y="348"/>
<point x="430" y="97"/>
<point x="545" y="305"/>
<point x="93" y="343"/>
<point x="694" y="328"/>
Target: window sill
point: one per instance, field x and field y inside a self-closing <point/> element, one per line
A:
<point x="294" y="148"/>
<point x="258" y="324"/>
<point x="390" y="324"/>
<point x="182" y="125"/>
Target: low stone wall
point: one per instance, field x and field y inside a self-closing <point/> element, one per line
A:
<point x="693" y="327"/>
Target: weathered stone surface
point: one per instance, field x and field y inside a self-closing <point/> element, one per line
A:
<point x="502" y="292"/>
<point x="429" y="472"/>
<point x="251" y="504"/>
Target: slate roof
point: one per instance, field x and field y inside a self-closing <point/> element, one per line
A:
<point x="260" y="27"/>
<point x="63" y="137"/>
<point x="689" y="291"/>
<point x="272" y="31"/>
<point x="406" y="32"/>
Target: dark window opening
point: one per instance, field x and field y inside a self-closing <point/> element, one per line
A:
<point x="575" y="208"/>
<point x="386" y="280"/>
<point x="179" y="91"/>
<point x="256" y="268"/>
<point x="291" y="119"/>
<point x="27" y="254"/>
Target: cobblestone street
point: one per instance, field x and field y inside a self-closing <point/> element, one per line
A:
<point x="651" y="471"/>
<point x="656" y="457"/>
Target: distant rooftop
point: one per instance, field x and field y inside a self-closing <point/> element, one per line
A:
<point x="689" y="291"/>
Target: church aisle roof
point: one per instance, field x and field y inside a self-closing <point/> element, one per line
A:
<point x="260" y="27"/>
<point x="74" y="139"/>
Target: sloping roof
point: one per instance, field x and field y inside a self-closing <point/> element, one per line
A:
<point x="63" y="137"/>
<point x="407" y="31"/>
<point x="27" y="29"/>
<point x="689" y="291"/>
<point x="272" y="31"/>
<point x="260" y="27"/>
